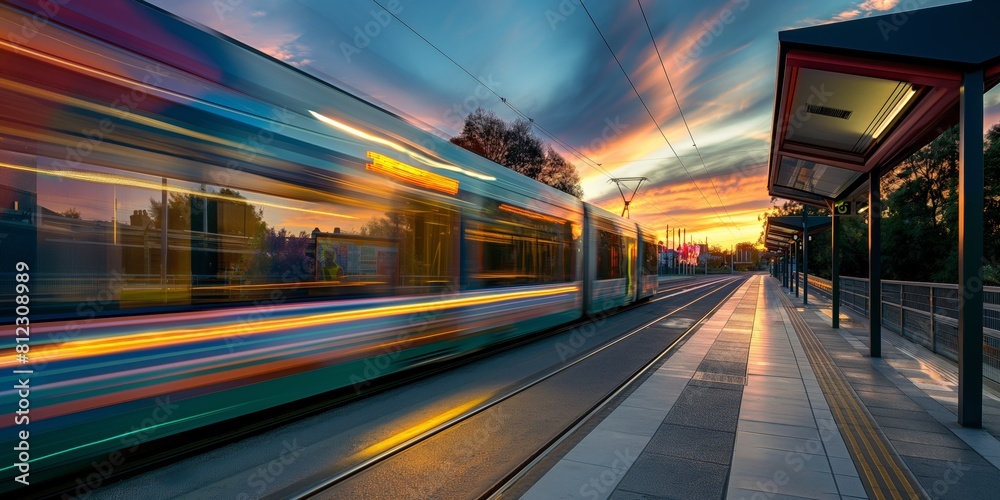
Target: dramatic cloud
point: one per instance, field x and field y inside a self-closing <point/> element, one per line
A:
<point x="878" y="4"/>
<point x="847" y="15"/>
<point x="546" y="59"/>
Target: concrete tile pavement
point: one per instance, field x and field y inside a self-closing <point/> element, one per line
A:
<point x="685" y="434"/>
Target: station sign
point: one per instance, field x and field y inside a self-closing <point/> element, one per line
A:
<point x="843" y="207"/>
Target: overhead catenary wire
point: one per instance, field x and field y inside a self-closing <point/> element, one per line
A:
<point x="683" y="118"/>
<point x="584" y="158"/>
<point x="661" y="158"/>
<point x="653" y="118"/>
<point x="503" y="99"/>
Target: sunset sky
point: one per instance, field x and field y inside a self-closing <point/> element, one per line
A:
<point x="547" y="59"/>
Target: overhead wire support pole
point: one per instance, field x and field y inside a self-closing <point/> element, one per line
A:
<point x="619" y="181"/>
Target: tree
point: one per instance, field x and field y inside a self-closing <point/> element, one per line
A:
<point x="853" y="239"/>
<point x="525" y="153"/>
<point x="278" y="253"/>
<point x="948" y="270"/>
<point x="516" y="147"/>
<point x="920" y="218"/>
<point x="235" y="216"/>
<point x="991" y="220"/>
<point x="229" y="218"/>
<point x="397" y="225"/>
<point x="485" y="134"/>
<point x="178" y="211"/>
<point x="916" y="234"/>
<point x="71" y="213"/>
<point x="560" y="174"/>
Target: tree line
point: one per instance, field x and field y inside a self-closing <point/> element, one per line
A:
<point x="919" y="218"/>
<point x="515" y="146"/>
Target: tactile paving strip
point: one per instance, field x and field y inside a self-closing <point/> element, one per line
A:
<point x="882" y="470"/>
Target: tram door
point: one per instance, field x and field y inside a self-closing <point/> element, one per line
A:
<point x="631" y="269"/>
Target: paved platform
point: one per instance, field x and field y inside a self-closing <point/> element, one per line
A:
<point x="766" y="401"/>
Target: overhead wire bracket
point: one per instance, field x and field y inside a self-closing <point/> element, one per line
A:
<point x="619" y="181"/>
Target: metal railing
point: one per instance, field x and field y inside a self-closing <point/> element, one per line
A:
<point x="924" y="313"/>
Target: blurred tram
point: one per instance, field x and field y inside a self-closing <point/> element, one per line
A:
<point x="205" y="232"/>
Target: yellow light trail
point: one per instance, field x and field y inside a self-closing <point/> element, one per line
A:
<point x="111" y="111"/>
<point x="124" y="180"/>
<point x="161" y="338"/>
<point x="385" y="142"/>
<point x="419" y="429"/>
<point x="528" y="213"/>
<point x="398" y="170"/>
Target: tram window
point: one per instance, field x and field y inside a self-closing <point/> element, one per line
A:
<point x="509" y="246"/>
<point x="610" y="258"/>
<point x="94" y="239"/>
<point x="649" y="258"/>
<point x="425" y="240"/>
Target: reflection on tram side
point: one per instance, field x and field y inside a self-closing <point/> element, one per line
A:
<point x="242" y="236"/>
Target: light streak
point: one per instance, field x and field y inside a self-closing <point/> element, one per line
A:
<point x="385" y="142"/>
<point x="123" y="180"/>
<point x="101" y="346"/>
<point x="410" y="174"/>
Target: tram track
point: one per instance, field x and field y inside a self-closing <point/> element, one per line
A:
<point x="349" y="425"/>
<point x="155" y="455"/>
<point x="326" y="486"/>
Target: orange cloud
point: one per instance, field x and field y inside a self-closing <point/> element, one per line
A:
<point x="866" y="7"/>
<point x="882" y="5"/>
<point x="691" y="199"/>
<point x="681" y="205"/>
<point x="847" y="14"/>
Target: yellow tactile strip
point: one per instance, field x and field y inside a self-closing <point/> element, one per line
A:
<point x="882" y="471"/>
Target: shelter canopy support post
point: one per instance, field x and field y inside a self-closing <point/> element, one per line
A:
<point x="914" y="84"/>
<point x="805" y="254"/>
<point x="874" y="265"/>
<point x="971" y="177"/>
<point x="835" y="269"/>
